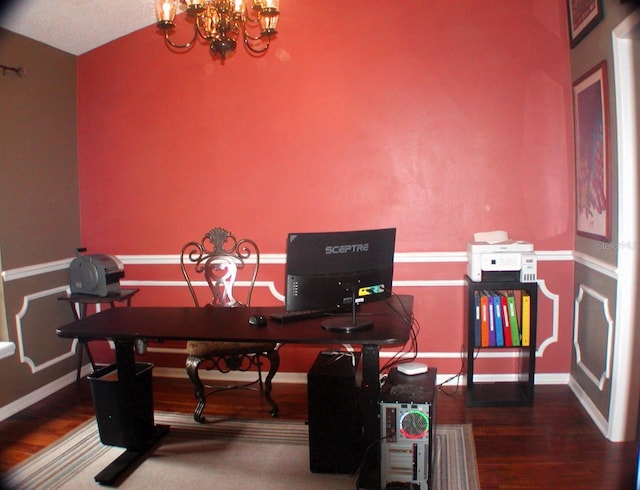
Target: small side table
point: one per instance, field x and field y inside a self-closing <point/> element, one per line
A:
<point x="83" y="300"/>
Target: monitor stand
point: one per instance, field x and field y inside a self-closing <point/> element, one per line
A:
<point x="344" y="324"/>
<point x="348" y="324"/>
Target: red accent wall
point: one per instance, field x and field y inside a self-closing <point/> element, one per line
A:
<point x="438" y="118"/>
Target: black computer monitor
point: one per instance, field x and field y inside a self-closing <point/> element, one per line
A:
<point x="339" y="270"/>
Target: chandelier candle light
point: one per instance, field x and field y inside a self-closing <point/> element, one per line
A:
<point x="220" y="22"/>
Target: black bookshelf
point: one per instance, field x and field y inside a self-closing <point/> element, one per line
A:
<point x="502" y="393"/>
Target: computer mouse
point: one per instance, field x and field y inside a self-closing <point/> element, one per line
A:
<point x="257" y="321"/>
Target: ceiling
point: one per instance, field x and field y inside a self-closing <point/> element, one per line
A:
<point x="76" y="26"/>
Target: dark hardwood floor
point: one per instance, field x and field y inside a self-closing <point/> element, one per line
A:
<point x="553" y="445"/>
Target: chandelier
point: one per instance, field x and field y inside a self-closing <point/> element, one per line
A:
<point x="221" y="22"/>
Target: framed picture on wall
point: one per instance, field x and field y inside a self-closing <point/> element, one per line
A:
<point x="591" y="133"/>
<point x="584" y="15"/>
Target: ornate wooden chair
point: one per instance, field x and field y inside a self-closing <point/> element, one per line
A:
<point x="218" y="258"/>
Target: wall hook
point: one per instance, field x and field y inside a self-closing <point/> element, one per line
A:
<point x="18" y="70"/>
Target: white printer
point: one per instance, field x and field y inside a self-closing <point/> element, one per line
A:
<point x="96" y="274"/>
<point x="494" y="257"/>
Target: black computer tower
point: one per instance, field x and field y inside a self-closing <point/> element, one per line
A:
<point x="407" y="423"/>
<point x="336" y="443"/>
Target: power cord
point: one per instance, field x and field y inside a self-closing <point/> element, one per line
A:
<point x="456" y="376"/>
<point x="409" y="351"/>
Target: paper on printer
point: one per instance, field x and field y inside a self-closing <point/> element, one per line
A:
<point x="494" y="257"/>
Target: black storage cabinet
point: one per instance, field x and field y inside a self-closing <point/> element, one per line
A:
<point x="125" y="417"/>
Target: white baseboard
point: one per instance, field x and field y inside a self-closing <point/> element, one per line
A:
<point x="597" y="417"/>
<point x="40" y="394"/>
<point x="281" y="377"/>
<point x="301" y="378"/>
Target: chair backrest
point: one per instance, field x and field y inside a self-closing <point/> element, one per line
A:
<point x="218" y="258"/>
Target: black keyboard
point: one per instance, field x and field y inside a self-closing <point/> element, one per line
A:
<point x="294" y="316"/>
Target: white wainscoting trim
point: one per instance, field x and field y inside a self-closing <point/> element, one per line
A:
<point x="24" y="358"/>
<point x="35" y="270"/>
<point x="598" y="379"/>
<point x="173" y="259"/>
<point x="399" y="258"/>
<point x="604" y="268"/>
<point x="9" y="348"/>
<point x="555" y="320"/>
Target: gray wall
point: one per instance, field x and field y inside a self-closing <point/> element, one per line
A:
<point x="596" y="271"/>
<point x="39" y="211"/>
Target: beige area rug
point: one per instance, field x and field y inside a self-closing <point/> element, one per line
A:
<point x="222" y="454"/>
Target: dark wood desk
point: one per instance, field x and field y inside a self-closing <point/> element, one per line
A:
<point x="83" y="301"/>
<point x="124" y="326"/>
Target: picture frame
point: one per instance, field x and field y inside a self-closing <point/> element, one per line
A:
<point x="583" y="16"/>
<point x="591" y="135"/>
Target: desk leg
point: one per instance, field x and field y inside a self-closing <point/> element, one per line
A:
<point x="371" y="391"/>
<point x="126" y="364"/>
<point x="121" y="464"/>
<point x="125" y="361"/>
<point x="369" y="477"/>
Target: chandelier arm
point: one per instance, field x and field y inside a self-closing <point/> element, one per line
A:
<point x="199" y="30"/>
<point x="253" y="38"/>
<point x="251" y="48"/>
<point x="180" y="46"/>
